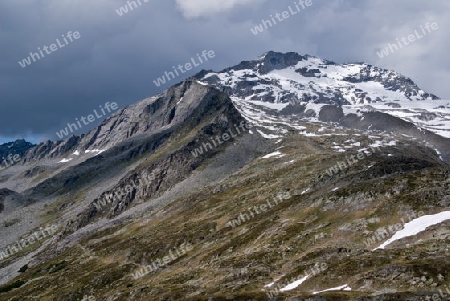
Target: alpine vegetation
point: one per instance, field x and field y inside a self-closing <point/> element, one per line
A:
<point x="225" y="137"/>
<point x="243" y="217"/>
<point x="391" y="48"/>
<point x="90" y="118"/>
<point x="342" y="165"/>
<point x="444" y="297"/>
<point x="27" y="61"/>
<point x="432" y="295"/>
<point x="159" y="263"/>
<point x="188" y="66"/>
<point x="280" y="17"/>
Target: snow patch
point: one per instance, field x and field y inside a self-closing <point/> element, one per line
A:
<point x="305" y="191"/>
<point x="99" y="151"/>
<point x="294" y="284"/>
<point x="277" y="154"/>
<point x="417" y="225"/>
<point x="276" y="106"/>
<point x="65" y="160"/>
<point x="344" y="287"/>
<point x="272" y="283"/>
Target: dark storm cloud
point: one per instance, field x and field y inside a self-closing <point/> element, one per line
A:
<point x="117" y="58"/>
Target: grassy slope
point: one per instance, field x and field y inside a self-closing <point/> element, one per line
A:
<point x="288" y="239"/>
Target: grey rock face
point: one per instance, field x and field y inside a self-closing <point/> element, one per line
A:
<point x="331" y="113"/>
<point x="187" y="110"/>
<point x="11" y="200"/>
<point x="275" y="61"/>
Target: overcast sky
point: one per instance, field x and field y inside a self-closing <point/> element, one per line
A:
<point x="117" y="58"/>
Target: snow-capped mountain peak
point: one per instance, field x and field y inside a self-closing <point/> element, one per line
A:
<point x="290" y="77"/>
<point x="276" y="80"/>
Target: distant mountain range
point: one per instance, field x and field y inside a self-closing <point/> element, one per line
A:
<point x="18" y="147"/>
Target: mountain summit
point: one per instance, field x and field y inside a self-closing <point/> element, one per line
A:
<point x="355" y="95"/>
<point x="305" y="78"/>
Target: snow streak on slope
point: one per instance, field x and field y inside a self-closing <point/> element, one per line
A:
<point x="417" y="225"/>
<point x="344" y="287"/>
<point x="294" y="284"/>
